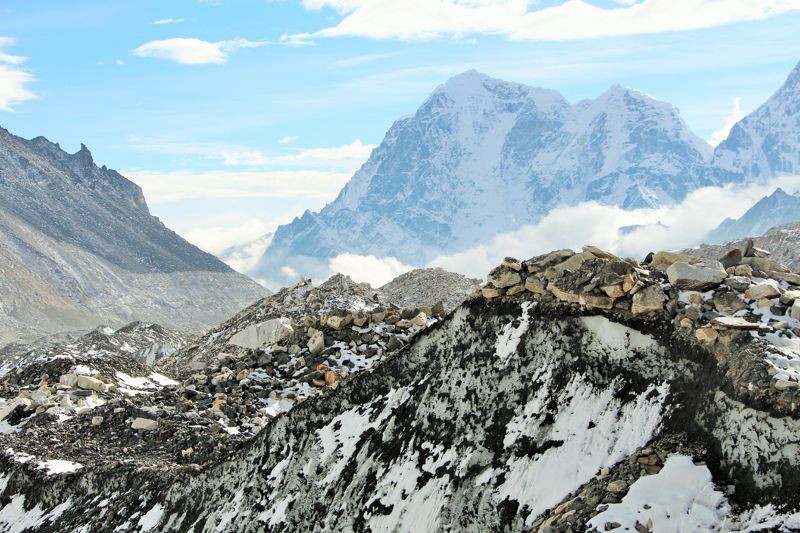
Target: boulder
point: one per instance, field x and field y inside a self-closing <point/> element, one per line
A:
<point x="9" y="407"/>
<point x="503" y="276"/>
<point x="788" y="277"/>
<point x="648" y="300"/>
<point x="735" y="322"/>
<point x="69" y="380"/>
<point x="795" y="312"/>
<point x="762" y="291"/>
<point x="728" y="302"/>
<point x="316" y="344"/>
<point x="764" y="265"/>
<point x="339" y="322"/>
<point x="706" y="335"/>
<point x="90" y="383"/>
<point x="536" y="285"/>
<point x="663" y="260"/>
<point x="268" y="332"/>
<point x="514" y="264"/>
<point x="696" y="277"/>
<point x="491" y="292"/>
<point x="789" y="297"/>
<point x="145" y="424"/>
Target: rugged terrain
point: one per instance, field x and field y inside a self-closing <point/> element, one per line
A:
<point x="79" y="248"/>
<point x="782" y="241"/>
<point x="774" y="210"/>
<point x="578" y="390"/>
<point x="483" y="156"/>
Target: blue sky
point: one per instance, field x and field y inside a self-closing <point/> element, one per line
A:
<point x="238" y="115"/>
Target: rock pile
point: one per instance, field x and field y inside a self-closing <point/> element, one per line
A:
<point x="100" y="392"/>
<point x="425" y="285"/>
<point x="710" y="301"/>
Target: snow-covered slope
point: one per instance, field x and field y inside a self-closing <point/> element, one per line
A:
<point x="585" y="392"/>
<point x="773" y="210"/>
<point x="767" y="141"/>
<point x="78" y="248"/>
<point x="482" y="156"/>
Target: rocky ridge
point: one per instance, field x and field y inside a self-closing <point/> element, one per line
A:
<point x="579" y="391"/>
<point x="782" y="241"/>
<point x="79" y="248"/>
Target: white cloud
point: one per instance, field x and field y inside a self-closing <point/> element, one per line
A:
<point x="376" y="271"/>
<point x="119" y="62"/>
<point x="163" y="187"/>
<point x="666" y="228"/>
<point x="13" y="79"/>
<point x="735" y="116"/>
<point x="288" y="139"/>
<point x="574" y="19"/>
<point x="241" y="246"/>
<point x="358" y="60"/>
<point x="348" y="155"/>
<point x="168" y="21"/>
<point x="194" y="51"/>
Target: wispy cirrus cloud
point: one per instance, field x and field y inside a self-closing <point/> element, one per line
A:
<point x="190" y="51"/>
<point x="573" y="19"/>
<point x="13" y="78"/>
<point x="160" y="22"/>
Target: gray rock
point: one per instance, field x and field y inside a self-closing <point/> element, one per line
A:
<point x="146" y="424"/>
<point x="648" y="300"/>
<point x="699" y="277"/>
<point x="90" y="383"/>
<point x="502" y="277"/>
<point x="795" y="312"/>
<point x="738" y="283"/>
<point x="267" y="332"/>
<point x="728" y="302"/>
<point x="763" y="290"/>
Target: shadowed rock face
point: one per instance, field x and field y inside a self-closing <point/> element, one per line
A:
<point x="69" y="198"/>
<point x="511" y="413"/>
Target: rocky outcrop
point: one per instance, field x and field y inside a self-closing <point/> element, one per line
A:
<point x="80" y="249"/>
<point x="580" y="397"/>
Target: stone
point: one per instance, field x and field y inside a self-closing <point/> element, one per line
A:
<point x="514" y="264"/>
<point x="592" y="301"/>
<point x="784" y="384"/>
<point x="602" y="254"/>
<point x="788" y="277"/>
<point x="97" y="420"/>
<point x="648" y="300"/>
<point x="491" y="292"/>
<point x="420" y="320"/>
<point x="795" y="312"/>
<point x="738" y="283"/>
<point x="762" y="290"/>
<point x="69" y="380"/>
<point x="536" y="285"/>
<point x="686" y="322"/>
<point x="90" y="383"/>
<point x="743" y="270"/>
<point x="628" y="282"/>
<point x="663" y="260"/>
<point x="696" y="277"/>
<point x="696" y="298"/>
<point x="764" y="265"/>
<point x="573" y="263"/>
<point x="731" y="259"/>
<point x="735" y="322"/>
<point x="728" y="302"/>
<point x="564" y="296"/>
<point x="339" y="322"/>
<point x="316" y="344"/>
<point x="145" y="424"/>
<point x="502" y="277"/>
<point x="789" y="297"/>
<point x="707" y="335"/>
<point x="617" y="486"/>
<point x="614" y="291"/>
<point x="516" y="289"/>
<point x="268" y="332"/>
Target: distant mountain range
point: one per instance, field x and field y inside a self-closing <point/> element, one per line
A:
<point x="773" y="210"/>
<point x="79" y="248"/>
<point x="483" y="156"/>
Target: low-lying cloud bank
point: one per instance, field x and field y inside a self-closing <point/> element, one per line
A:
<point x="626" y="233"/>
